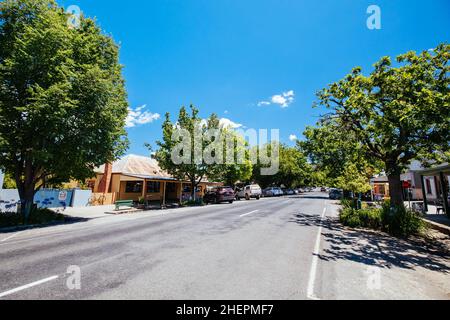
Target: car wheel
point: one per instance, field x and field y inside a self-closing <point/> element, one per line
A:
<point x="231" y="202"/>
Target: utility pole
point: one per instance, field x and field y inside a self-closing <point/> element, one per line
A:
<point x="2" y="177"/>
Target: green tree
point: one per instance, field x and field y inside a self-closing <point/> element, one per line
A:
<point x="238" y="170"/>
<point x="62" y="96"/>
<point x="294" y="168"/>
<point x="332" y="150"/>
<point x="353" y="180"/>
<point x="397" y="113"/>
<point x="181" y="139"/>
<point x="9" y="182"/>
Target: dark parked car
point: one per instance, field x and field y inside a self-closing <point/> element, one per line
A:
<point x="219" y="195"/>
<point x="336" y="194"/>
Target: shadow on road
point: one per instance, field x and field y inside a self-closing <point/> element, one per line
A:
<point x="68" y="221"/>
<point x="376" y="248"/>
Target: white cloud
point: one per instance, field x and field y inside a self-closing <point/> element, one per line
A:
<point x="227" y="123"/>
<point x="140" y="116"/>
<point x="283" y="100"/>
<point x="293" y="137"/>
<point x="224" y="123"/>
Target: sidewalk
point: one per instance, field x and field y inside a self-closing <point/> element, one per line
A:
<point x="438" y="222"/>
<point x="93" y="212"/>
<point x="371" y="265"/>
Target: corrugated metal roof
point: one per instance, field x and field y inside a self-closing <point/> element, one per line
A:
<point x="137" y="165"/>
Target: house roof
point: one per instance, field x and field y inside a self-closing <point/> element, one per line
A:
<point x="380" y="179"/>
<point x="436" y="170"/>
<point x="134" y="165"/>
<point x="140" y="167"/>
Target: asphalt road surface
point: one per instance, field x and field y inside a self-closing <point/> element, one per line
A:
<point x="277" y="248"/>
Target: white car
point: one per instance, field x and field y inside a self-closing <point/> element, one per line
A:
<point x="253" y="191"/>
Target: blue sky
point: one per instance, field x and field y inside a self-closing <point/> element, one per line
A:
<point x="228" y="56"/>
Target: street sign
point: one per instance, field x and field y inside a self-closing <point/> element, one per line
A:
<point x="406" y="185"/>
<point x="62" y="196"/>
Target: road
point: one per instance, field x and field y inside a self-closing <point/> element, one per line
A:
<point x="283" y="248"/>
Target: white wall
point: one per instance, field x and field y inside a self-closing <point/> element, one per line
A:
<point x="81" y="198"/>
<point x="8" y="196"/>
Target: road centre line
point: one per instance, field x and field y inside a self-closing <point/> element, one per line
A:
<point x="247" y="214"/>
<point x="10" y="237"/>
<point x="312" y="275"/>
<point x="27" y="286"/>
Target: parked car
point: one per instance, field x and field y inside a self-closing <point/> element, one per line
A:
<point x="249" y="192"/>
<point x="336" y="194"/>
<point x="272" y="192"/>
<point x="219" y="195"/>
<point x="288" y="192"/>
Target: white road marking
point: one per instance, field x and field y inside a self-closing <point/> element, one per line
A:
<point x="247" y="214"/>
<point x="27" y="286"/>
<point x="10" y="237"/>
<point x="312" y="275"/>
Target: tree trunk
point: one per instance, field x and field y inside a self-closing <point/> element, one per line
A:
<point x="193" y="187"/>
<point x="26" y="184"/>
<point x="26" y="193"/>
<point x="395" y="190"/>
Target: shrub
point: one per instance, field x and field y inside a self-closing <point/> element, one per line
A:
<point x="398" y="222"/>
<point x="401" y="222"/>
<point x="365" y="218"/>
<point x="348" y="203"/>
<point x="37" y="216"/>
<point x="370" y="218"/>
<point x="193" y="203"/>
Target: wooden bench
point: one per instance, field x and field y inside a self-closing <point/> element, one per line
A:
<point x="123" y="203"/>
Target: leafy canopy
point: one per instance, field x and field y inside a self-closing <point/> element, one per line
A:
<point x="62" y="96"/>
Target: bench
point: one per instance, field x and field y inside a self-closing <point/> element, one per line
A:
<point x="123" y="203"/>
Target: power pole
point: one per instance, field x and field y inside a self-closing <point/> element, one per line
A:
<point x="2" y="177"/>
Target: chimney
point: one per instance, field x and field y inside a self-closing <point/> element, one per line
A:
<point x="106" y="179"/>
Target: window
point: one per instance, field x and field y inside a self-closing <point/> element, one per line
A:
<point x="153" y="187"/>
<point x="133" y="187"/>
<point x="187" y="188"/>
<point x="171" y="187"/>
<point x="428" y="183"/>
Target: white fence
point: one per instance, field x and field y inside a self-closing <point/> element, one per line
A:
<point x="81" y="198"/>
<point x="9" y="198"/>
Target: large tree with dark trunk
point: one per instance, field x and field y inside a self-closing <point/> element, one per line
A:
<point x="62" y="96"/>
<point x="398" y="113"/>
